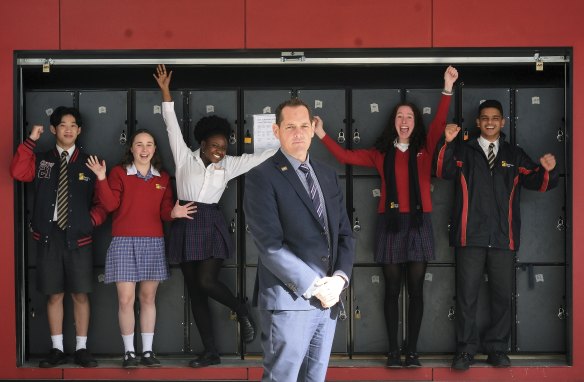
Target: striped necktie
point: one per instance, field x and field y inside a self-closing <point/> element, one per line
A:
<point x="314" y="194"/>
<point x="491" y="156"/>
<point x="63" y="193"/>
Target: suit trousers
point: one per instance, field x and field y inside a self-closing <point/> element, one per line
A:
<point x="471" y="263"/>
<point x="297" y="343"/>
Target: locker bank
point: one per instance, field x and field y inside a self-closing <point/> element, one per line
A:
<point x="353" y="91"/>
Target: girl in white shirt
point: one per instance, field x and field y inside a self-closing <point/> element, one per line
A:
<point x="202" y="244"/>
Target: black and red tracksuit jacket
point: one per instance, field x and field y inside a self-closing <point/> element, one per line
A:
<point x="85" y="212"/>
<point x="486" y="206"/>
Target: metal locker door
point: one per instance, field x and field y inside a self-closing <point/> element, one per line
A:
<point x="228" y="205"/>
<point x="149" y="116"/>
<point x="224" y="320"/>
<point x="330" y="106"/>
<point x="169" y="334"/>
<point x="366" y="194"/>
<point x="104" y="134"/>
<point x="442" y="201"/>
<point x="259" y="102"/>
<point x="543" y="226"/>
<point x="438" y="332"/>
<point x="427" y="101"/>
<point x="541" y="309"/>
<point x="540" y="123"/>
<point x="473" y="97"/>
<point x="368" y="320"/>
<point x="37" y="326"/>
<point x="104" y="329"/>
<point x="39" y="106"/>
<point x="222" y="103"/>
<point x="371" y="112"/>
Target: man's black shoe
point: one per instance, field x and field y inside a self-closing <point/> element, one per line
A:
<point x="393" y="360"/>
<point x="56" y="358"/>
<point x="205" y="359"/>
<point x="462" y="361"/>
<point x="84" y="358"/>
<point x="412" y="360"/>
<point x="130" y="360"/>
<point x="248" y="329"/>
<point x="149" y="359"/>
<point x="498" y="359"/>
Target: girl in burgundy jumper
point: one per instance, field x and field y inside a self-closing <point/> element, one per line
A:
<point x="403" y="158"/>
<point x="140" y="196"/>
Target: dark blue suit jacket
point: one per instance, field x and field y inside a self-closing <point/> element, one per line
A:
<point x="294" y="249"/>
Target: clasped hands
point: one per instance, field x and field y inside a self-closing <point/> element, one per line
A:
<point x="328" y="290"/>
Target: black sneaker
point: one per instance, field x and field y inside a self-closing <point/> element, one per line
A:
<point x="498" y="359"/>
<point x="248" y="328"/>
<point x="412" y="360"/>
<point x="149" y="359"/>
<point x="130" y="360"/>
<point x="84" y="358"/>
<point x="206" y="359"/>
<point x="462" y="361"/>
<point x="393" y="360"/>
<point x="56" y="358"/>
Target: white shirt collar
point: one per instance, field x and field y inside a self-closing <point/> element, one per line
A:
<point x="484" y="143"/>
<point x="403" y="147"/>
<point x="132" y="170"/>
<point x="71" y="150"/>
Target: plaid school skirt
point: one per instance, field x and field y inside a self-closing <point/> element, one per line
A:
<point x="136" y="259"/>
<point x="408" y="244"/>
<point x="203" y="237"/>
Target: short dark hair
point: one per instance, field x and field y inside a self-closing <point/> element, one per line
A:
<point x="293" y="102"/>
<point x="490" y="103"/>
<point x="210" y="126"/>
<point x="418" y="137"/>
<point x="128" y="157"/>
<point x="61" y="111"/>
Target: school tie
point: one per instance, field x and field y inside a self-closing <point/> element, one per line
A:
<point x="314" y="195"/>
<point x="491" y="156"/>
<point x="63" y="193"/>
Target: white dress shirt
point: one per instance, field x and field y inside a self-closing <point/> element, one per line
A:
<point x="485" y="146"/>
<point x="194" y="181"/>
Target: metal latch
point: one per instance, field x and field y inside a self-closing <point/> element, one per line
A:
<point x="292" y="56"/>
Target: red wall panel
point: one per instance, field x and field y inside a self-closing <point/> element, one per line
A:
<point x="338" y="24"/>
<point x="152" y="24"/>
<point x="27" y="24"/>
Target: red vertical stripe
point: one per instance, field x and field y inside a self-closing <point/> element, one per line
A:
<point x="440" y="161"/>
<point x="510" y="214"/>
<point x="464" y="217"/>
<point x="544" y="183"/>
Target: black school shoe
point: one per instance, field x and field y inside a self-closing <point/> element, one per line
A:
<point x="462" y="361"/>
<point x="84" y="358"/>
<point x="149" y="359"/>
<point x="498" y="359"/>
<point x="206" y="359"/>
<point x="393" y="360"/>
<point x="412" y="360"/>
<point x="130" y="360"/>
<point x="56" y="358"/>
<point x="248" y="328"/>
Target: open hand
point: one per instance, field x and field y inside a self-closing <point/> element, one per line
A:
<point x="99" y="169"/>
<point x="183" y="211"/>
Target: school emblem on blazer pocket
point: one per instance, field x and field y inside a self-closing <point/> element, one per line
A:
<point x="505" y="164"/>
<point x="84" y="177"/>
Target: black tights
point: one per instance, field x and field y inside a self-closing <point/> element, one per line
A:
<point x="415" y="276"/>
<point x="202" y="279"/>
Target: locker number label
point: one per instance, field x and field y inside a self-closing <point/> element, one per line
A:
<point x="374" y="108"/>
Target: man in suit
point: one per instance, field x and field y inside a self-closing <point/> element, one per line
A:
<point x="295" y="210"/>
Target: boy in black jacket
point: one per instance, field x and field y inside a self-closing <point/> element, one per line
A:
<point x="62" y="223"/>
<point x="485" y="225"/>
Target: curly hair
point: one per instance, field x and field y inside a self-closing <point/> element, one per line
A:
<point x="418" y="137"/>
<point x="212" y="125"/>
<point x="128" y="157"/>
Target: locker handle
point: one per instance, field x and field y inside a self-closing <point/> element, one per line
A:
<point x="560" y="226"/>
<point x="562" y="313"/>
<point x="357" y="313"/>
<point x="232" y="138"/>
<point x="452" y="313"/>
<point x="247" y="228"/>
<point x="356" y="137"/>
<point x="341" y="137"/>
<point x="560" y="136"/>
<point x="232" y="226"/>
<point x="123" y="138"/>
<point x="357" y="225"/>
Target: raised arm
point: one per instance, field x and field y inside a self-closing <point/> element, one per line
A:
<point x="23" y="165"/>
<point x="542" y="177"/>
<point x="438" y="124"/>
<point x="163" y="79"/>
